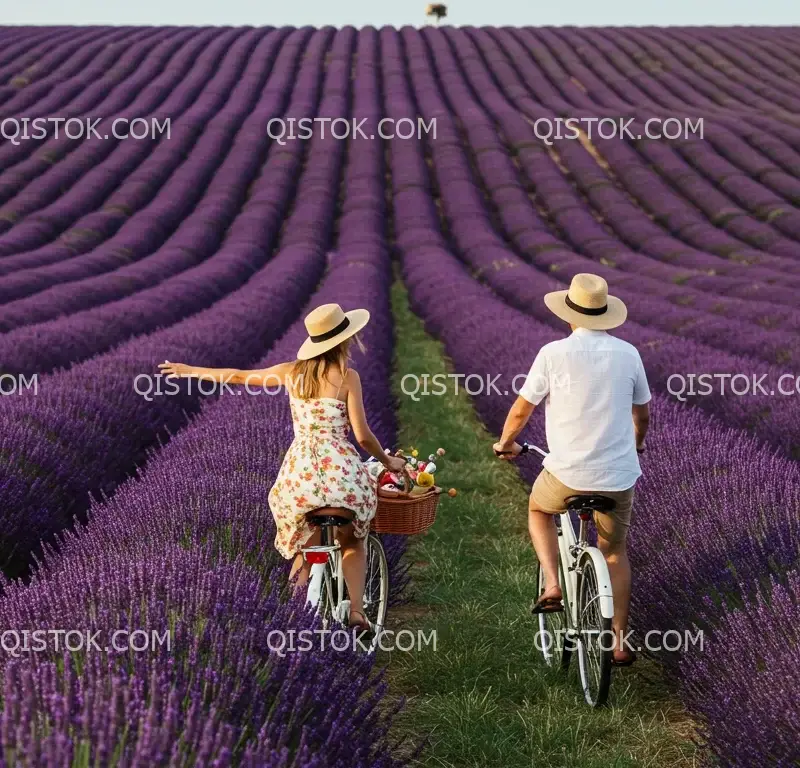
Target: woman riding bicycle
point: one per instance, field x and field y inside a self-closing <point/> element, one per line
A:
<point x="322" y="472"/>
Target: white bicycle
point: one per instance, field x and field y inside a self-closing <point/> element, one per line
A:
<point x="585" y="623"/>
<point x="327" y="590"/>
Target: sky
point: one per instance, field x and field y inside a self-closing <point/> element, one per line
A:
<point x="400" y="12"/>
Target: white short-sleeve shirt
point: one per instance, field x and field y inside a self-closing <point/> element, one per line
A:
<point x="589" y="382"/>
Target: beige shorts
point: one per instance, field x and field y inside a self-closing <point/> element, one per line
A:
<point x="548" y="495"/>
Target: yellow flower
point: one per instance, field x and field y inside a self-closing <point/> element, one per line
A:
<point x="425" y="479"/>
<point x="415" y="453"/>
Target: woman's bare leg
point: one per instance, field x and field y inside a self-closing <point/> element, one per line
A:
<point x="301" y="570"/>
<point x="354" y="567"/>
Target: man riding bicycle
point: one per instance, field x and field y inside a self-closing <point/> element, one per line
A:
<point x="593" y="384"/>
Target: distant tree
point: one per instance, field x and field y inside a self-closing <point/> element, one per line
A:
<point x="437" y="10"/>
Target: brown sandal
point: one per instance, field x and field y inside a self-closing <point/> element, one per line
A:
<point x="363" y="624"/>
<point x="548" y="605"/>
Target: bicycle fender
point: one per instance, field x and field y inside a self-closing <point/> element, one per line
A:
<point x="315" y="580"/>
<point x="603" y="581"/>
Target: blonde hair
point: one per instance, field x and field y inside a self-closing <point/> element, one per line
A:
<point x="307" y="376"/>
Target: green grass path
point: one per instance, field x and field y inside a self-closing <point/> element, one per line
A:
<point x="483" y="697"/>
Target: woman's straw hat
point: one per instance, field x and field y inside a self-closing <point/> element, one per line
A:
<point x="587" y="304"/>
<point x="328" y="326"/>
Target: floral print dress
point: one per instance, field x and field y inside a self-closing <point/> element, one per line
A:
<point x="321" y="469"/>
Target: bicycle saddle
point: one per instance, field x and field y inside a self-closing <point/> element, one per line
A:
<point x="321" y="520"/>
<point x="590" y="503"/>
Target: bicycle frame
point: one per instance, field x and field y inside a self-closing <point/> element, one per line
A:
<point x="573" y="551"/>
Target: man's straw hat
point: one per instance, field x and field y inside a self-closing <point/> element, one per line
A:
<point x="587" y="304"/>
<point x="328" y="326"/>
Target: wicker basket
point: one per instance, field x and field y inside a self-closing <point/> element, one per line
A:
<point x="403" y="514"/>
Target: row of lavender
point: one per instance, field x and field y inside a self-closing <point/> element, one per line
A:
<point x="745" y="160"/>
<point x="195" y="205"/>
<point x="85" y="429"/>
<point x="683" y="229"/>
<point x="724" y="506"/>
<point x="186" y="547"/>
<point x="684" y="232"/>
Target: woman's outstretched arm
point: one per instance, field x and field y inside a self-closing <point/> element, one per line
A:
<point x="273" y="376"/>
<point x="358" y="420"/>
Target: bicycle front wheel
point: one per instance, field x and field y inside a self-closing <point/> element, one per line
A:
<point x="594" y="635"/>
<point x="376" y="586"/>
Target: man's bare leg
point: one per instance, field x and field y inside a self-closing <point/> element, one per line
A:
<point x="542" y="528"/>
<point x="619" y="569"/>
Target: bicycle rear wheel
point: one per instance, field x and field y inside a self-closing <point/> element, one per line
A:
<point x="376" y="587"/>
<point x="553" y="627"/>
<point x="329" y="601"/>
<point x="594" y="636"/>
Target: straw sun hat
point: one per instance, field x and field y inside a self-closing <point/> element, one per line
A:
<point x="587" y="304"/>
<point x="328" y="326"/>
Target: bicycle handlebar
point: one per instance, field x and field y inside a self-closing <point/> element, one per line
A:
<point x="526" y="448"/>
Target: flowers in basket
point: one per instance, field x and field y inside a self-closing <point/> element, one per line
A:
<point x="419" y="476"/>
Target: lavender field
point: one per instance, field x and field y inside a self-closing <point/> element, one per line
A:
<point x="210" y="244"/>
